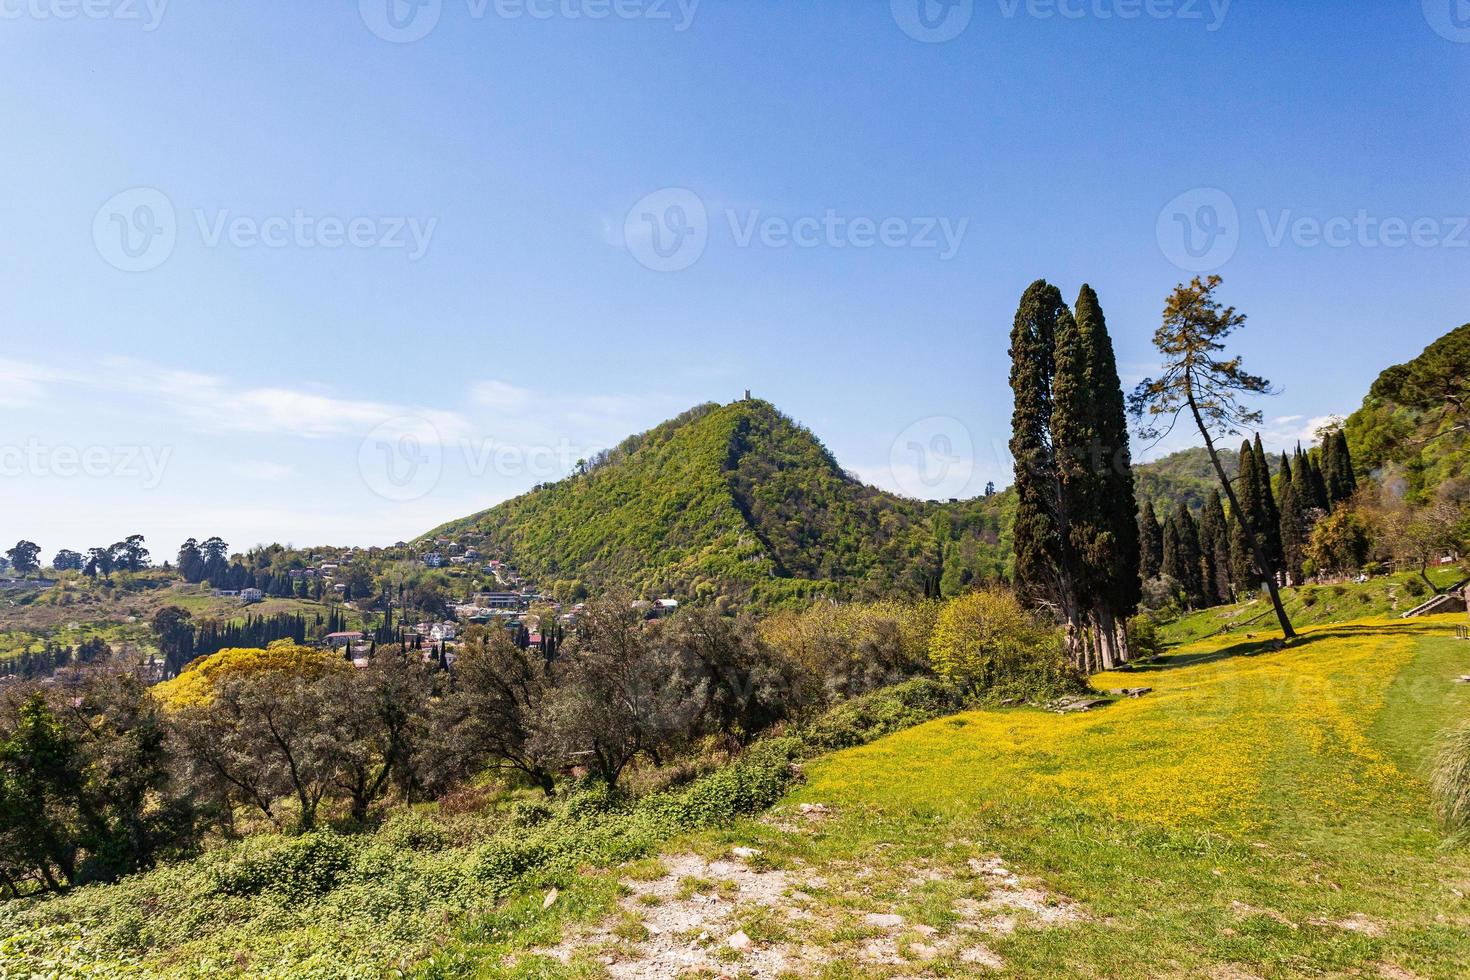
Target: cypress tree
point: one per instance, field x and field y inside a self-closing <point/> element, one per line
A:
<point x="1242" y="566"/>
<point x="1090" y="432"/>
<point x="1119" y="488"/>
<point x="1214" y="544"/>
<point x="1329" y="470"/>
<point x="1253" y="512"/>
<point x="1150" y="542"/>
<point x="1182" y="555"/>
<point x="1319" y="482"/>
<point x="1338" y="468"/>
<point x="1301" y="481"/>
<point x="1270" y="513"/>
<point x="1074" y="438"/>
<point x="1293" y="526"/>
<point x="1042" y="560"/>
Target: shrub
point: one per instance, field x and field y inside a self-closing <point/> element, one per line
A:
<point x="1415" y="586"/>
<point x="410" y="830"/>
<point x="848" y="649"/>
<point x="989" y="646"/>
<point x="863" y="719"/>
<point x="1450" y="778"/>
<point x="1144" y="636"/>
<point x="300" y="867"/>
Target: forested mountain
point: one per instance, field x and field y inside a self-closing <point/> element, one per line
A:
<point x="738" y="500"/>
<point x="1415" y="422"/>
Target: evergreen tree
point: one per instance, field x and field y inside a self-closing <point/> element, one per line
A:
<point x="1319" y="482"/>
<point x="1095" y="477"/>
<point x="1257" y="513"/>
<point x="1043" y="559"/>
<point x="1151" y="542"/>
<point x="1182" y="555"/>
<point x="1242" y="564"/>
<point x="1293" y="526"/>
<point x="1214" y="544"/>
<point x="1270" y="513"/>
<point x="1338" y="468"/>
<point x="1200" y="379"/>
<point x="1117" y="538"/>
<point x="1301" y="481"/>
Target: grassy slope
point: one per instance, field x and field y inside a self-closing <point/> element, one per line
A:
<point x="1311" y="605"/>
<point x="1219" y="825"/>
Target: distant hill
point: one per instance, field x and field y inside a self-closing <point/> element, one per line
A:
<point x="740" y="500"/>
<point x="1412" y="425"/>
<point x="737" y="500"/>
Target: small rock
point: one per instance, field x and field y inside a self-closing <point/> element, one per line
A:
<point x="923" y="951"/>
<point x="550" y="899"/>
<point x="814" y="808"/>
<point x="884" y="920"/>
<point x="739" y="941"/>
<point x="982" y="956"/>
<point x="745" y="853"/>
<point x="926" y="930"/>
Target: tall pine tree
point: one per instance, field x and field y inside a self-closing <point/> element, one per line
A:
<point x="1293" y="526"/>
<point x="1090" y="433"/>
<point x="1337" y="468"/>
<point x="1044" y="563"/>
<point x="1077" y="538"/>
<point x="1214" y="545"/>
<point x="1270" y="513"/>
<point x="1182" y="555"/>
<point x="1150" y="542"/>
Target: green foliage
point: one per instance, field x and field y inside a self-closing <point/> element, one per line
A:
<point x="736" y="500"/>
<point x="1413" y="423"/>
<point x="990" y="647"/>
<point x="324" y="904"/>
<point x="1339" y="542"/>
<point x="304" y="867"/>
<point x="1450" y="778"/>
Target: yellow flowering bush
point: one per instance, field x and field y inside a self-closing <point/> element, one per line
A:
<point x="198" y="681"/>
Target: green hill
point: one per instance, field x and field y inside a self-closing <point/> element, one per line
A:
<point x="736" y="500"/>
<point x="739" y="500"/>
<point x="1415" y="422"/>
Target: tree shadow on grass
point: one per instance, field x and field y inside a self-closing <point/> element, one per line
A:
<point x="1256" y="646"/>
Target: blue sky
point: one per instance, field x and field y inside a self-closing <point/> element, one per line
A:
<point x="277" y="272"/>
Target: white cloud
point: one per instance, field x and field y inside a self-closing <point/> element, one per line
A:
<point x="23" y="383"/>
<point x="499" y="395"/>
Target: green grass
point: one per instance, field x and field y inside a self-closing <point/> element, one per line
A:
<point x="1309" y="605"/>
<point x="1227" y="824"/>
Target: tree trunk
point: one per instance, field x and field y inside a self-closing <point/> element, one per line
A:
<point x="1246" y="523"/>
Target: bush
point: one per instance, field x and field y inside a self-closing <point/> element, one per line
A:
<point x="989" y="646"/>
<point x="1450" y="778"/>
<point x="1143" y="635"/>
<point x="1415" y="586"/>
<point x="410" y="830"/>
<point x="301" y="867"/>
